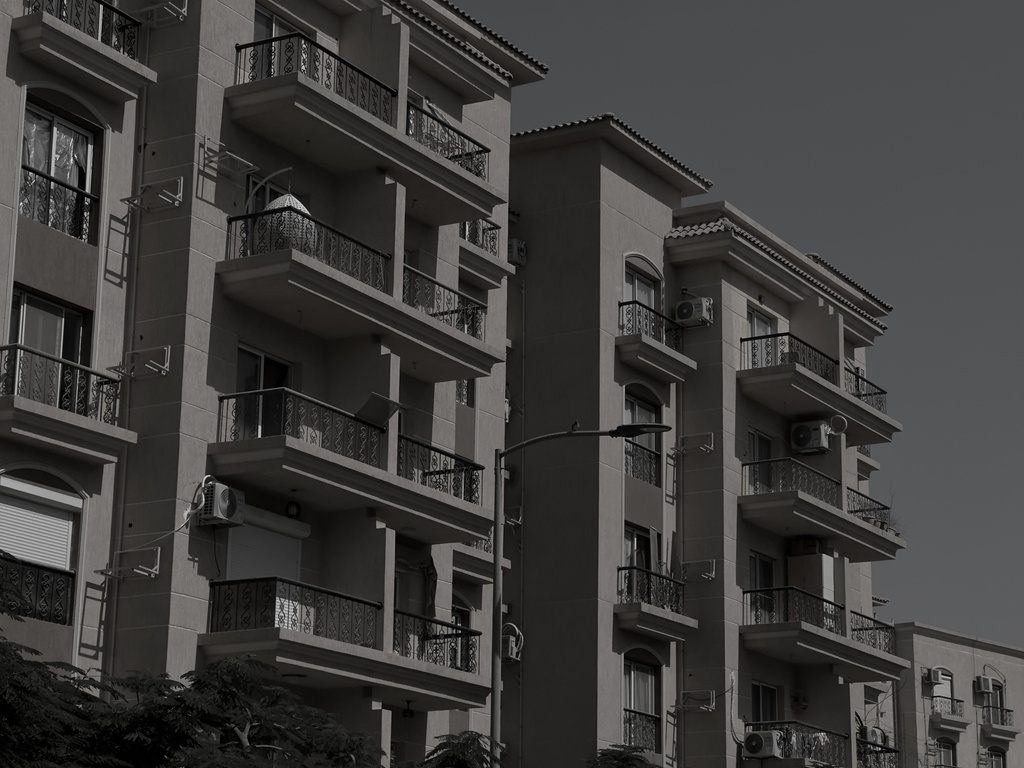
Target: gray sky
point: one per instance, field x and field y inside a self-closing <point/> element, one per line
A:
<point x="888" y="138"/>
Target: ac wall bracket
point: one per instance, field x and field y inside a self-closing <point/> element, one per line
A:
<point x="158" y="195"/>
<point x="704" y="568"/>
<point x="698" y="441"/>
<point x="158" y="364"/>
<point x="143" y="563"/>
<point x="217" y="158"/>
<point x="696" y="701"/>
<point x="154" y="14"/>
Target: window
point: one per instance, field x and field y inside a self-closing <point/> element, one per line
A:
<point x="762" y="604"/>
<point x="759" y="351"/>
<point x="759" y="470"/>
<point x="636" y="547"/>
<point x="641" y="722"/>
<point x="945" y="754"/>
<point x="259" y="193"/>
<point x="643" y="460"/>
<point x="261" y="396"/>
<point x="56" y="173"/>
<point x="640" y="288"/>
<point x="460" y="651"/>
<point x="764" y="703"/>
<point x="276" y="58"/>
<point x="996" y="758"/>
<point x="994" y="711"/>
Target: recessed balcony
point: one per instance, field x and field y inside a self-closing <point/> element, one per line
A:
<point x="278" y="439"/>
<point x="948" y="714"/>
<point x="791" y="499"/>
<point x="295" y="92"/>
<point x="59" y="405"/>
<point x="651" y="604"/>
<point x="306" y="273"/>
<point x="652" y="343"/>
<point x="800" y="382"/>
<point x="479" y="264"/>
<point x="798" y="627"/>
<point x="997" y="723"/>
<point x="806" y="743"/>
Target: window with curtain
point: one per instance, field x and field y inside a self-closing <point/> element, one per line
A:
<point x="641" y="722"/>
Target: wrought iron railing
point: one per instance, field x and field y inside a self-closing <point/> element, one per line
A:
<point x="447" y="141"/>
<point x="465" y="392"/>
<point x="57" y="204"/>
<point x="288" y="227"/>
<point x="642" y="463"/>
<point x="641" y="729"/>
<point x="42" y="592"/>
<point x="864" y="450"/>
<point x="779" y="605"/>
<point x="782" y="475"/>
<point x="451" y="307"/>
<point x="867" y="509"/>
<point x="638" y="318"/>
<point x="997" y="716"/>
<point x="802" y="740"/>
<point x="437" y="642"/>
<point x="863" y="389"/>
<point x="99" y="20"/>
<point x="639" y="585"/>
<point x="872" y="632"/>
<point x="285" y="54"/>
<point x="947" y="706"/>
<point x="485" y="544"/>
<point x="483" y="234"/>
<point x="243" y="604"/>
<point x="783" y="348"/>
<point x="871" y="755"/>
<point x="272" y="412"/>
<point x="60" y="383"/>
<point x="436" y="468"/>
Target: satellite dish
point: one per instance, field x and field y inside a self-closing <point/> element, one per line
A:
<point x="838" y="424"/>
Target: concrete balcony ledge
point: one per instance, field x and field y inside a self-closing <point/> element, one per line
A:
<point x="480" y="268"/>
<point x="654" y="622"/>
<point x="70" y="434"/>
<point x="475" y="564"/>
<point x="654" y="358"/>
<point x="999" y="732"/>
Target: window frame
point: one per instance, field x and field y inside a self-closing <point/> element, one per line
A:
<point x="760" y="693"/>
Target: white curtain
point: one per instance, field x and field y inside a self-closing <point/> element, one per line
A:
<point x="35" y="144"/>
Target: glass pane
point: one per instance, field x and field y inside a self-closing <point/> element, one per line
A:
<point x="42" y="326"/>
<point x="70" y="155"/>
<point x="35" y="146"/>
<point x="248" y="378"/>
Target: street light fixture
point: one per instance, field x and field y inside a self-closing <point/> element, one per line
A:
<point x="498" y="547"/>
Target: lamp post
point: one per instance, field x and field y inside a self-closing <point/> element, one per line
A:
<point x="498" y="550"/>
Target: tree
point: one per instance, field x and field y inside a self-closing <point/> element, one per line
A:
<point x="468" y="749"/>
<point x="620" y="756"/>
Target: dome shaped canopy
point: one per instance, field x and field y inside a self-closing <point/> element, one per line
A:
<point x="286" y="201"/>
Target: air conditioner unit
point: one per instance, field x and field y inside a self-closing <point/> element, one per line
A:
<point x="696" y="311"/>
<point x="762" y="744"/>
<point x="516" y="252"/>
<point x="875" y="735"/>
<point x="809" y="437"/>
<point x="510" y="648"/>
<point x="984" y="684"/>
<point x="931" y="676"/>
<point x="221" y="506"/>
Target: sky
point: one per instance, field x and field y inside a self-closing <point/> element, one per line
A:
<point x="887" y="137"/>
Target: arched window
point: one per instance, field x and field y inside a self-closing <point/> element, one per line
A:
<point x="643" y="456"/>
<point x="945" y="754"/>
<point x="996" y="758"/>
<point x="641" y="693"/>
<point x="943" y="702"/>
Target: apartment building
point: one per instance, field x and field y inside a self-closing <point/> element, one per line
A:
<point x="704" y="593"/>
<point x="255" y="301"/>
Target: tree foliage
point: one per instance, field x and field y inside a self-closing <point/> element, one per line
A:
<point x="468" y="749"/>
<point x="620" y="756"/>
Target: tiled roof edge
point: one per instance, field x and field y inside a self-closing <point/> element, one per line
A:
<point x="832" y="268"/>
<point x="484" y="28"/>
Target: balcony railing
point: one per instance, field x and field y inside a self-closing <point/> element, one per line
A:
<point x="446" y="141"/>
<point x="782" y="475"/>
<point x="872" y="632"/>
<point x="60" y="383"/>
<point x="449" y="306"/>
<point x="860" y="387"/>
<point x="864" y="450"/>
<point x="642" y="463"/>
<point x="997" y="716"/>
<point x="244" y="604"/>
<point x="436" y="468"/>
<point x="871" y="755"/>
<point x="641" y="729"/>
<point x="437" y="642"/>
<point x="263" y="59"/>
<point x="99" y="20"/>
<point x="272" y="412"/>
<point x="57" y="204"/>
<point x="638" y="318"/>
<point x="485" y="544"/>
<point x="639" y="585"/>
<point x="867" y="509"/>
<point x="801" y="740"/>
<point x="948" y="707"/>
<point x="482" y="234"/>
<point x="44" y="593"/>
<point x="780" y="605"/>
<point x="289" y="227"/>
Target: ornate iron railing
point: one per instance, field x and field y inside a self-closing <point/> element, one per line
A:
<point x="944" y="705"/>
<point x="779" y="605"/>
<point x="482" y="234"/>
<point x="801" y="740"/>
<point x="876" y="755"/>
<point x="465" y="392"/>
<point x="863" y="389"/>
<point x="997" y="716"/>
<point x="641" y="729"/>
<point x="285" y="54"/>
<point x="485" y="544"/>
<point x="65" y="385"/>
<point x="639" y="585"/>
<point x="638" y="318"/>
<point x="872" y="632"/>
<point x="782" y="475"/>
<point x="99" y="20"/>
<point x="272" y="412"/>
<point x="44" y="593"/>
<point x="447" y="141"/>
<point x="288" y="227"/>
<point x="783" y="348"/>
<point x="436" y="468"/>
<point x="243" y="604"/>
<point x="451" y="307"/>
<point x="437" y="642"/>
<point x="864" y="450"/>
<point x="642" y="463"/>
<point x="57" y="204"/>
<point x="867" y="509"/>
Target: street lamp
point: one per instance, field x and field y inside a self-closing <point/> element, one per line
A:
<point x="498" y="550"/>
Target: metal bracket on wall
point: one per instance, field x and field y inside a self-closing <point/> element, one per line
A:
<point x="696" y="701"/>
<point x="149" y="361"/>
<point x="134" y="563"/>
<point x="217" y="157"/>
<point x="162" y="14"/>
<point x="698" y="441"/>
<point x="703" y="568"/>
<point x="158" y="195"/>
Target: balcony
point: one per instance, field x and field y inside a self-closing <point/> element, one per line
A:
<point x="279" y="439"/>
<point x="641" y="729"/>
<point x="798" y="381"/>
<point x="873" y="633"/>
<point x="60" y="405"/>
<point x="437" y="642"/>
<point x="870" y="511"/>
<point x="57" y="204"/>
<point x="306" y="273"/>
<point x="871" y="755"/>
<point x="479" y="264"/>
<point x="447" y="306"/>
<point x="651" y="604"/>
<point x="473" y="560"/>
<point x="791" y="499"/>
<point x="47" y="594"/>
<point x="798" y="627"/>
<point x="802" y="741"/>
<point x="948" y="714"/>
<point x="997" y="723"/>
<point x="296" y="93"/>
<point x="89" y="41"/>
<point x="652" y="343"/>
